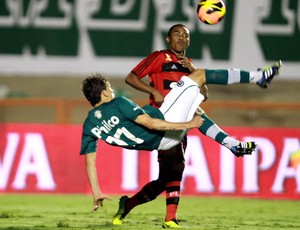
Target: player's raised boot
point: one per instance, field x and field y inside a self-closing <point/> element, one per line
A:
<point x="120" y="215"/>
<point x="268" y="73"/>
<point x="171" y="224"/>
<point x="243" y="148"/>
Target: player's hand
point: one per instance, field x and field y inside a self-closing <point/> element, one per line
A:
<point x="158" y="97"/>
<point x="98" y="200"/>
<point x="185" y="62"/>
<point x="197" y="121"/>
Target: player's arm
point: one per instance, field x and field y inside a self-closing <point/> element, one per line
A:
<point x="162" y="125"/>
<point x="138" y="84"/>
<point x="187" y="63"/>
<point x="90" y="163"/>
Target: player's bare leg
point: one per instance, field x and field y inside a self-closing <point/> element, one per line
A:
<point x="198" y="76"/>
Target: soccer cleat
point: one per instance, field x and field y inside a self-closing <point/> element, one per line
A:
<point x="120" y="215"/>
<point x="268" y="72"/>
<point x="171" y="224"/>
<point x="243" y="148"/>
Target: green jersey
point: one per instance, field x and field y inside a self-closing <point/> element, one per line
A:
<point x="113" y="122"/>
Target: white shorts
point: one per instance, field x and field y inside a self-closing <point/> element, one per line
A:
<point x="179" y="105"/>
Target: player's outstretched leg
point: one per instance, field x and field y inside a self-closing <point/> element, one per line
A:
<point x="120" y="215"/>
<point x="171" y="224"/>
<point x="243" y="148"/>
<point x="268" y="73"/>
<point x="261" y="77"/>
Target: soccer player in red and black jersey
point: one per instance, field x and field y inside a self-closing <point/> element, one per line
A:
<point x="164" y="68"/>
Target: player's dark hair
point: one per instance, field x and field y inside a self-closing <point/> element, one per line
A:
<point x="172" y="27"/>
<point x="92" y="88"/>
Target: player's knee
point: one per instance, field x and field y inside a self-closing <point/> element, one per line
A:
<point x="198" y="76"/>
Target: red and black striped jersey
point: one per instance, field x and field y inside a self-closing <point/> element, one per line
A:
<point x="162" y="68"/>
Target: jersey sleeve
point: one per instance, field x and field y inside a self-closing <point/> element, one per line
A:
<point x="149" y="65"/>
<point x="153" y="112"/>
<point x="129" y="109"/>
<point x="88" y="141"/>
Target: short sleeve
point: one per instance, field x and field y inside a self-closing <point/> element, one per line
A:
<point x="88" y="141"/>
<point x="128" y="108"/>
<point x="149" y="65"/>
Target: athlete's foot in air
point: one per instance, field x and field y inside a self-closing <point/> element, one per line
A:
<point x="268" y="73"/>
<point x="243" y="148"/>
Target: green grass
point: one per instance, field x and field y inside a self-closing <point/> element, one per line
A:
<point x="74" y="212"/>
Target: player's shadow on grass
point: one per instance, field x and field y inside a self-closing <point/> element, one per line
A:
<point x="103" y="226"/>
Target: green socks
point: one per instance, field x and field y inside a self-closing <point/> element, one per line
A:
<point x="231" y="76"/>
<point x="212" y="130"/>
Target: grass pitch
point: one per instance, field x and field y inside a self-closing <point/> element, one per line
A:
<point x="74" y="212"/>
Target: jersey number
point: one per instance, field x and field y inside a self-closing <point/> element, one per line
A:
<point x="118" y="141"/>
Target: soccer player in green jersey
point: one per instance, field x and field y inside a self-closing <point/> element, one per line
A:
<point x="121" y="122"/>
